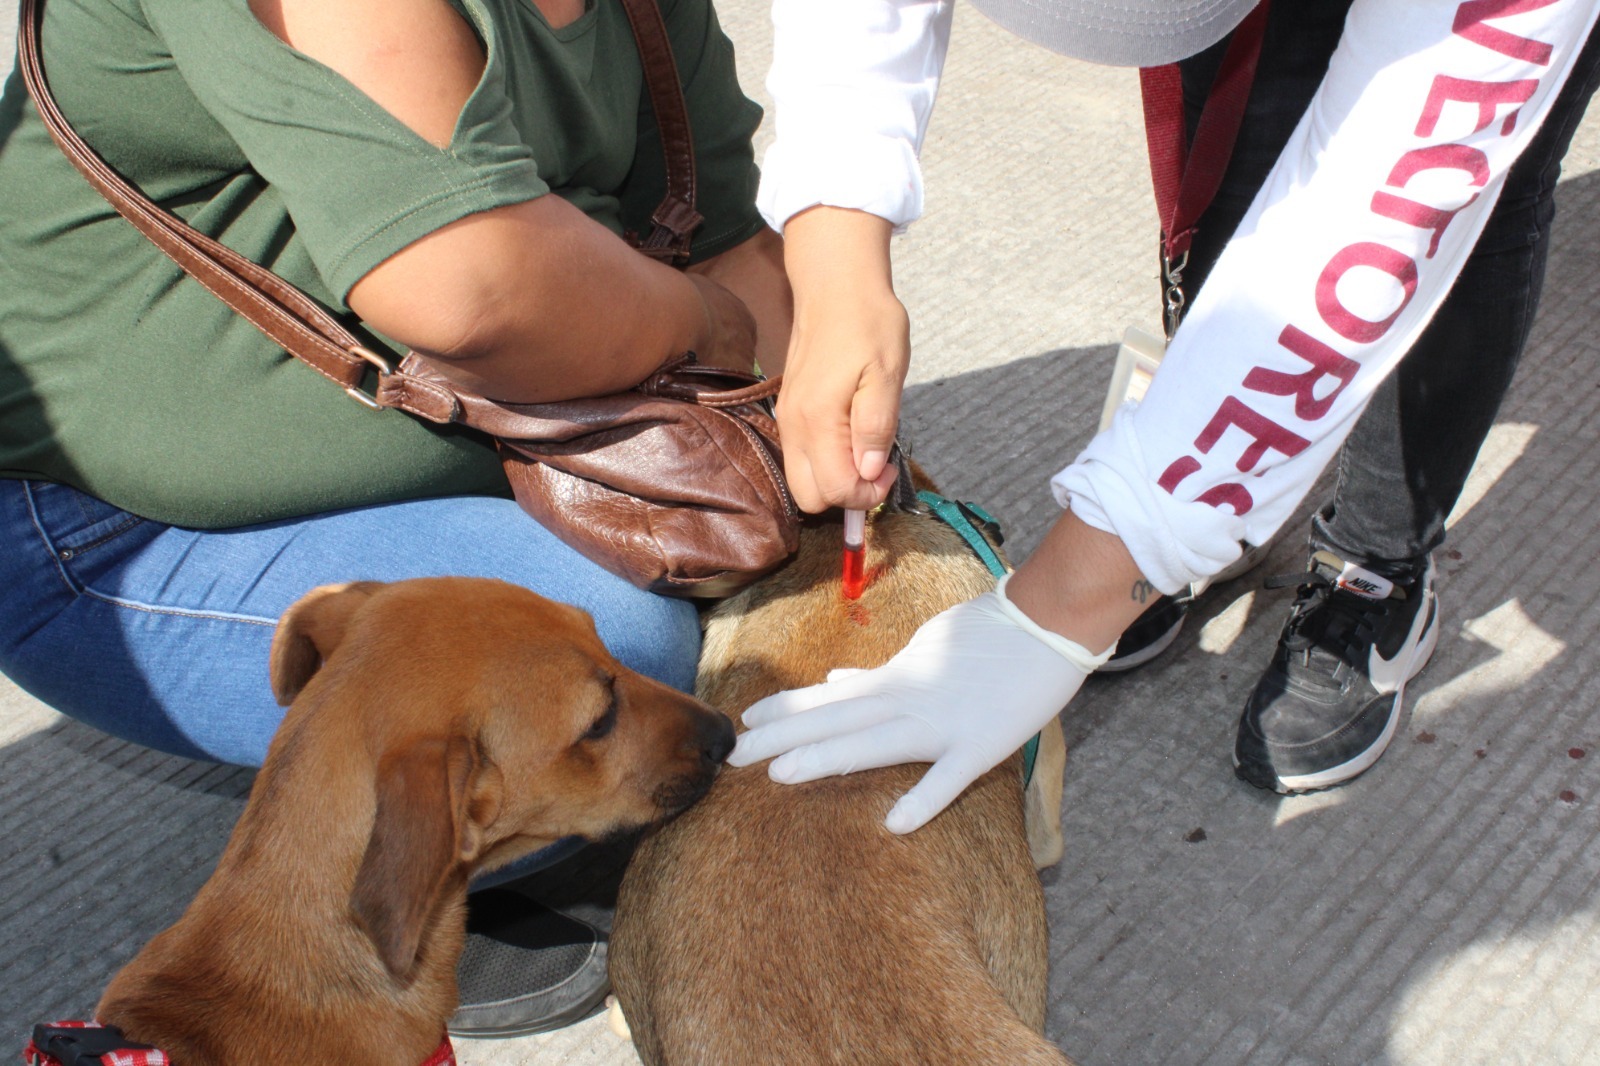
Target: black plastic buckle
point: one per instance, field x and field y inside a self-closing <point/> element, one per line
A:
<point x="72" y="1046"/>
<point x="903" y="494"/>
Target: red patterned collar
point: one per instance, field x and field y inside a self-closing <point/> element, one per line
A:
<point x="93" y="1044"/>
<point x="444" y="1056"/>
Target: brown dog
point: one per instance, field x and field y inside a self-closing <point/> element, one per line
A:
<point x="784" y="924"/>
<point x="439" y="727"/>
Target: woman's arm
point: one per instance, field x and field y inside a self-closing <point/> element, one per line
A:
<point x="854" y="83"/>
<point x="1353" y="242"/>
<point x="478" y="295"/>
<point x="847" y="359"/>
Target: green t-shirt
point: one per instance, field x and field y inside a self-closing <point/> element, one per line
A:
<point x="122" y="376"/>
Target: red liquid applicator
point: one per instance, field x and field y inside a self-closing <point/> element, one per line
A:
<point x="855" y="544"/>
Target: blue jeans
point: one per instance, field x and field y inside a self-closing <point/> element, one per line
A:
<point x="160" y="635"/>
<point x="1407" y="459"/>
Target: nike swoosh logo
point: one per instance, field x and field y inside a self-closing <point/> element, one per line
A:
<point x="1387" y="675"/>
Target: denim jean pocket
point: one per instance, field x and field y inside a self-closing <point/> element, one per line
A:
<point x="75" y="523"/>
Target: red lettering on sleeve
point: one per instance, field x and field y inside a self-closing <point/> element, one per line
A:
<point x="1180" y="469"/>
<point x="1325" y="363"/>
<point x="1414" y="214"/>
<point x="1347" y="324"/>
<point x="1488" y="95"/>
<point x="1235" y="497"/>
<point x="1471" y="161"/>
<point x="1263" y="431"/>
<point x="1470" y="24"/>
<point x="1230" y="495"/>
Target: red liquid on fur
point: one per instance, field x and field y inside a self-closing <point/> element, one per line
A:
<point x="854" y="576"/>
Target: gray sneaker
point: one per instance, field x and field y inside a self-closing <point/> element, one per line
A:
<point x="1327" y="706"/>
<point x="526" y="968"/>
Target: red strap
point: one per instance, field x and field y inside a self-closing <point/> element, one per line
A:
<point x="1187" y="181"/>
<point x="444" y="1056"/>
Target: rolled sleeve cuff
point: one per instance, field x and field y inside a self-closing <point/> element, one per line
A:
<point x="876" y="174"/>
<point x="1174" y="543"/>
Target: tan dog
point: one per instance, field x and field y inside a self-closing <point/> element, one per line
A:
<point x="784" y="924"/>
<point x="439" y="727"/>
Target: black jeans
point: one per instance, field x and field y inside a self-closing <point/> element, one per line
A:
<point x="1406" y="460"/>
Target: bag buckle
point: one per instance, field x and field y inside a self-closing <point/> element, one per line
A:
<point x="383" y="368"/>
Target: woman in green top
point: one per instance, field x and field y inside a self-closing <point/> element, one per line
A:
<point x="456" y="174"/>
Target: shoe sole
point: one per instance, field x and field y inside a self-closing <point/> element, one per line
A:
<point x="576" y="1013"/>
<point x="1144" y="654"/>
<point x="1299" y="784"/>
<point x="559" y="1019"/>
<point x="1248" y="560"/>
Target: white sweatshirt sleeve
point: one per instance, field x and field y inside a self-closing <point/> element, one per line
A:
<point x="853" y="85"/>
<point x="1346" y="253"/>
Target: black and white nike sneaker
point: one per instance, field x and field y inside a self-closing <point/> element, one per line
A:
<point x="1328" y="705"/>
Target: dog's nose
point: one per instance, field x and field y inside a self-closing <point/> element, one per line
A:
<point x="716" y="740"/>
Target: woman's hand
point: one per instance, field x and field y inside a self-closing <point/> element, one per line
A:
<point x="730" y="333"/>
<point x="971" y="687"/>
<point x="847" y="360"/>
<point x="753" y="271"/>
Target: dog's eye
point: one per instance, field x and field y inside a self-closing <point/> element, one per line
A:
<point x="602" y="726"/>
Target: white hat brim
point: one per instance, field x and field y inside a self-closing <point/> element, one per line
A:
<point x="1122" y="33"/>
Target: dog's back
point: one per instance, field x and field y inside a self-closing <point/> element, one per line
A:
<point x="783" y="923"/>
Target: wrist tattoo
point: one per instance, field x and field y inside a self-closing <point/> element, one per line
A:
<point x="1142" y="591"/>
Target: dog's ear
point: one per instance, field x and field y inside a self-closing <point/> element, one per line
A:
<point x="428" y="798"/>
<point x="309" y="631"/>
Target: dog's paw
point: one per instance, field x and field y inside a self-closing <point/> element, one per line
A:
<point x="619" y="1024"/>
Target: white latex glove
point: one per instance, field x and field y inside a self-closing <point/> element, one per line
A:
<point x="974" y="683"/>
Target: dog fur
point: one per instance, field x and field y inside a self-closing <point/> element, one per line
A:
<point x="782" y="924"/>
<point x="439" y="727"/>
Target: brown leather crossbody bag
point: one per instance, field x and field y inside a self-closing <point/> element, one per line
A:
<point x="676" y="484"/>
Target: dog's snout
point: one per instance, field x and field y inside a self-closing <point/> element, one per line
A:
<point x="716" y="739"/>
<point x="697" y="757"/>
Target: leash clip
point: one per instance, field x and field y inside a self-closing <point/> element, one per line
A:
<point x="1172" y="294"/>
<point x="902" y="494"/>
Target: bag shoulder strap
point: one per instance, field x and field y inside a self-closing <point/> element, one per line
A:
<point x="675" y="219"/>
<point x="293" y="320"/>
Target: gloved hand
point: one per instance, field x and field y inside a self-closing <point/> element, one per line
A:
<point x="974" y="683"/>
